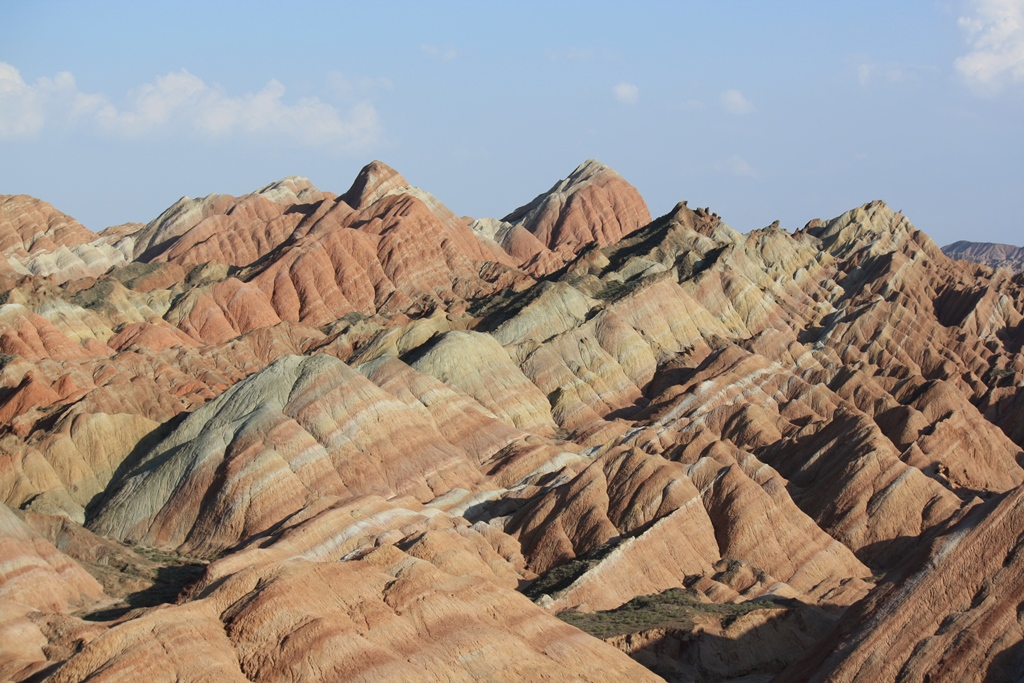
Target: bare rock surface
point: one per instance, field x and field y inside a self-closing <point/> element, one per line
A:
<point x="267" y="447"/>
<point x="37" y="239"/>
<point x="387" y="616"/>
<point x="297" y="435"/>
<point x="29" y="226"/>
<point x="952" y="615"/>
<point x="592" y="205"/>
<point x="37" y="575"/>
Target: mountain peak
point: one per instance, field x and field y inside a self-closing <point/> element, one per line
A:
<point x="593" y="204"/>
<point x="30" y="226"/>
<point x="375" y="180"/>
<point x="874" y="225"/>
<point x="588" y="170"/>
<point x="291" y="190"/>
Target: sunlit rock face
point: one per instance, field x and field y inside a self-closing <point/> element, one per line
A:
<point x="300" y="435"/>
<point x="594" y="205"/>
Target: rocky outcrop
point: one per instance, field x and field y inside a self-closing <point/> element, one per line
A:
<point x="662" y="524"/>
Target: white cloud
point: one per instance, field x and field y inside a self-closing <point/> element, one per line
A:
<point x="181" y="101"/>
<point x="734" y="102"/>
<point x="176" y="95"/>
<point x="627" y="93"/>
<point x="25" y="109"/>
<point x="20" y="110"/>
<point x="995" y="33"/>
<point x="445" y="52"/>
<point x="736" y="166"/>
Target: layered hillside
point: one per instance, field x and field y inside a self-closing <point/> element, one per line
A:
<point x="299" y="435"/>
<point x="987" y="254"/>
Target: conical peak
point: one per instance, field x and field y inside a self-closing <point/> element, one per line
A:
<point x="375" y="180"/>
<point x="873" y="218"/>
<point x="588" y="170"/>
<point x="875" y="226"/>
<point x="31" y="225"/>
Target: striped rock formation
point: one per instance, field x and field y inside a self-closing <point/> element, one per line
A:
<point x="298" y="435"/>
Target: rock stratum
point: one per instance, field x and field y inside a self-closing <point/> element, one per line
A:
<point x="301" y="436"/>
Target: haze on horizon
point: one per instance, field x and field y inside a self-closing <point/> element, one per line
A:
<point x="112" y="112"/>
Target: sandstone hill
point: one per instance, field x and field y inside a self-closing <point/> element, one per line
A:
<point x="988" y="254"/>
<point x="298" y="435"/>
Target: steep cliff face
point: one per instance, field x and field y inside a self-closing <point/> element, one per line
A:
<point x="296" y="435"/>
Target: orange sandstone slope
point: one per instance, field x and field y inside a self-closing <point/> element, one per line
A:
<point x="952" y="614"/>
<point x="298" y="435"/>
<point x="36" y="238"/>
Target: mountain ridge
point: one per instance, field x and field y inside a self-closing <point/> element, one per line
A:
<point x="264" y="400"/>
<point x="988" y="254"/>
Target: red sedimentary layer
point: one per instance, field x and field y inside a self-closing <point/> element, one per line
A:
<point x="346" y="436"/>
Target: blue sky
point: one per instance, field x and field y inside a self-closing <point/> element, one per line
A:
<point x="762" y="111"/>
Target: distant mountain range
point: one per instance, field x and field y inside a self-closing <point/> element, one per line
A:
<point x="988" y="254"/>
